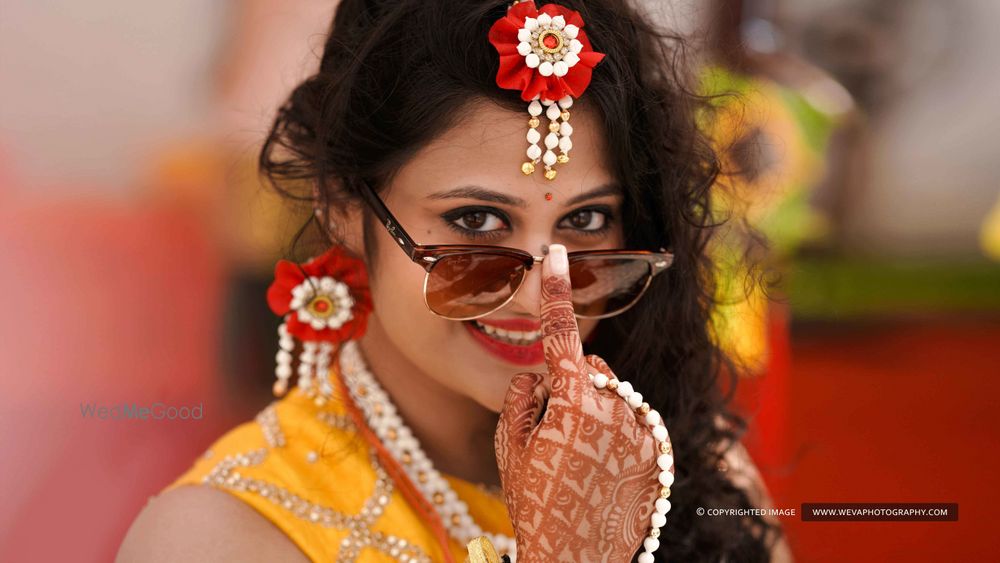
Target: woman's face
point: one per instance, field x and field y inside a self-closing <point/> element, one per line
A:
<point x="467" y="188"/>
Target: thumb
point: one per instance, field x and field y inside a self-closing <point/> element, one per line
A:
<point x="521" y="407"/>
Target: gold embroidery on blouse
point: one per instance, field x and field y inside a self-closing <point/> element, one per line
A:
<point x="360" y="535"/>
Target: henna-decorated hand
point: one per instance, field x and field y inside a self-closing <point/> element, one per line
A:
<point x="579" y="483"/>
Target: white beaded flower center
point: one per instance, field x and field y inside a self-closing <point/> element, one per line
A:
<point x="322" y="302"/>
<point x="549" y="44"/>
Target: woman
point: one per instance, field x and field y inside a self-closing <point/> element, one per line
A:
<point x="462" y="407"/>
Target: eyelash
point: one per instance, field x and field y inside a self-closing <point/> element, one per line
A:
<point x="455" y="214"/>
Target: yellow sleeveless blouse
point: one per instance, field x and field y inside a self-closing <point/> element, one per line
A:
<point x="306" y="469"/>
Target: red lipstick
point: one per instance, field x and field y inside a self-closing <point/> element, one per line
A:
<point x="520" y="355"/>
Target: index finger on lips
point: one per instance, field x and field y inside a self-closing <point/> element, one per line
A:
<point x="560" y="333"/>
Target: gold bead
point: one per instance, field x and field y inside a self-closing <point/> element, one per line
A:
<point x="654" y="533"/>
<point x="664" y="447"/>
<point x="562" y="159"/>
<point x="407" y="458"/>
<point x="527" y="168"/>
<point x="422" y="477"/>
<point x="456" y="519"/>
<point x="612" y="384"/>
<point x="362" y="391"/>
<point x="391" y="433"/>
<point x="550" y="174"/>
<point x="319" y="401"/>
<point x="664" y="492"/>
<point x="553" y="126"/>
<point x="280" y="387"/>
<point x="644" y="409"/>
<point x="533" y="122"/>
<point x="564" y="115"/>
<point x="438" y="498"/>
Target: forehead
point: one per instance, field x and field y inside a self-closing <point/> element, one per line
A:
<point x="486" y="148"/>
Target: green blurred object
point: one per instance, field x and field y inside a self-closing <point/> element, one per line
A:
<point x="830" y="289"/>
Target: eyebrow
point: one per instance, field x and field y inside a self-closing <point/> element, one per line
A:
<point x="483" y="194"/>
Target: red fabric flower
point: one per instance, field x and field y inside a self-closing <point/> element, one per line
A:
<point x="516" y="70"/>
<point x="328" y="298"/>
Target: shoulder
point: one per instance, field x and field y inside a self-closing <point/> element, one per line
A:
<point x="740" y="469"/>
<point x="200" y="523"/>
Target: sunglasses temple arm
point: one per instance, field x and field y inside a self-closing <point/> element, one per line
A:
<point x="388" y="221"/>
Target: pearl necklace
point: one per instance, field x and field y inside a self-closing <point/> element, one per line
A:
<point x="382" y="417"/>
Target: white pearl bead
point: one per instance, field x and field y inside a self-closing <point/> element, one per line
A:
<point x="545" y="69"/>
<point x="660" y="432"/>
<point x="549" y="158"/>
<point x="523" y="48"/>
<point x="665" y="461"/>
<point x="666" y="478"/>
<point x="552" y="113"/>
<point x="283" y="370"/>
<point x="652" y="418"/>
<point x="558" y="22"/>
<point x="624" y="389"/>
<point x="531" y="24"/>
<point x="565" y="144"/>
<point x="532" y="60"/>
<point x="651" y="544"/>
<point x="571" y="59"/>
<point x="646" y="557"/>
<point x="283" y="357"/>
<point x="551" y="140"/>
<point x="535" y="108"/>
<point x="565" y="129"/>
<point x="560" y="68"/>
<point x="635" y="400"/>
<point x="544" y="19"/>
<point x="524" y="35"/>
<point x="571" y="31"/>
<point x="662" y="505"/>
<point x="600" y="381"/>
<point x="533" y="135"/>
<point x="534" y="151"/>
<point x="566" y="102"/>
<point x="658" y="520"/>
<point x="575" y="46"/>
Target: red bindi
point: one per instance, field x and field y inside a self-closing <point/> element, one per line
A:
<point x="550" y="41"/>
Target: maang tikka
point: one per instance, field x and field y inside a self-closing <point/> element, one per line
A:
<point x="546" y="55"/>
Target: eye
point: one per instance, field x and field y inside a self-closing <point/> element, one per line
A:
<point x="590" y="220"/>
<point x="477" y="222"/>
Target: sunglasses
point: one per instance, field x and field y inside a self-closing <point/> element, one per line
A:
<point x="469" y="281"/>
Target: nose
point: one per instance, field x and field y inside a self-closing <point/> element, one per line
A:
<point x="528" y="300"/>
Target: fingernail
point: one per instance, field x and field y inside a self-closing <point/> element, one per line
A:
<point x="560" y="264"/>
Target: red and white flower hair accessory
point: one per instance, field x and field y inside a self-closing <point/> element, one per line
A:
<point x="325" y="302"/>
<point x="546" y="55"/>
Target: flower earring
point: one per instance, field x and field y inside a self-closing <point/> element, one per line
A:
<point x="324" y="302"/>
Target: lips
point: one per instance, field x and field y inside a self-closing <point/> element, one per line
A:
<point x="516" y="341"/>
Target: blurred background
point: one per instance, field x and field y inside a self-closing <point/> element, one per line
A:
<point x="859" y="136"/>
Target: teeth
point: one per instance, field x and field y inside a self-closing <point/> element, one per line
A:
<point x="517" y="337"/>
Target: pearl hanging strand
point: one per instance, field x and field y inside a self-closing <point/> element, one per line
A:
<point x="665" y="459"/>
<point x="558" y="136"/>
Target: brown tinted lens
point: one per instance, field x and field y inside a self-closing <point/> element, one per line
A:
<point x="603" y="285"/>
<point x="460" y="286"/>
